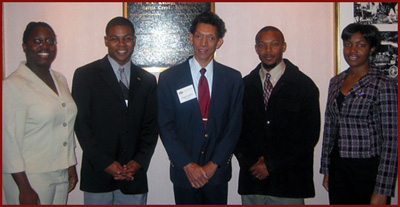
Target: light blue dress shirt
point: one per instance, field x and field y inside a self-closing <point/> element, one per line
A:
<point x="195" y="71"/>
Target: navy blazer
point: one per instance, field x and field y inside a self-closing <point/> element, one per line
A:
<point x="181" y="125"/>
<point x="108" y="130"/>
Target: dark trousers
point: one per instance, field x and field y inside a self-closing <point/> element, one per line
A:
<point x="214" y="194"/>
<point x="352" y="181"/>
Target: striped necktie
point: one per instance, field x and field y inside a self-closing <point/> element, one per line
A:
<point x="267" y="89"/>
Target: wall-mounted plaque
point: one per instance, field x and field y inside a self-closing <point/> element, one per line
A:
<point x="162" y="30"/>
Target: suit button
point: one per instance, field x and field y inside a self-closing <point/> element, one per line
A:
<point x="63" y="104"/>
<point x="65" y="144"/>
<point x="206" y="135"/>
<point x="125" y="132"/>
<point x="202" y="152"/>
<point x="268" y="122"/>
<point x="65" y="124"/>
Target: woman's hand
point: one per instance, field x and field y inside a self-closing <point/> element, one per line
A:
<point x="377" y="199"/>
<point x="72" y="178"/>
<point x="325" y="183"/>
<point x="27" y="195"/>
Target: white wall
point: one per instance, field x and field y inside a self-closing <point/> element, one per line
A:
<point x="308" y="28"/>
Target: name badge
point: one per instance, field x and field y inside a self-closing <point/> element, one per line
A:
<point x="186" y="94"/>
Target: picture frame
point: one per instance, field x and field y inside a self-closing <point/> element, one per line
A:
<point x="162" y="31"/>
<point x="384" y="16"/>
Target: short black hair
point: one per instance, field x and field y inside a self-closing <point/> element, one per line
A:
<point x="369" y="32"/>
<point x="270" y="28"/>
<point x="119" y="21"/>
<point x="32" y="25"/>
<point x="209" y="18"/>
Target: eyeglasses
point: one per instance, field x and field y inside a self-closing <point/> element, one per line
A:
<point x="39" y="42"/>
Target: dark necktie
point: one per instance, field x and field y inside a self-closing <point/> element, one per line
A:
<point x="204" y="96"/>
<point x="124" y="83"/>
<point x="267" y="89"/>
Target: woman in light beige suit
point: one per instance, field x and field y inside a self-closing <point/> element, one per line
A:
<point x="38" y="120"/>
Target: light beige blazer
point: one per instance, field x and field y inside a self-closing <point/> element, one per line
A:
<point x="38" y="124"/>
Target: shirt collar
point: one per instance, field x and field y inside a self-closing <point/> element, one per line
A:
<point x="276" y="72"/>
<point x="115" y="66"/>
<point x="195" y="67"/>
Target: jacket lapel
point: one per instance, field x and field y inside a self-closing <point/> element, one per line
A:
<point x="217" y="90"/>
<point x="107" y="73"/>
<point x="135" y="81"/>
<point x="287" y="77"/>
<point x="185" y="79"/>
<point x="36" y="83"/>
<point x="255" y="80"/>
<point x="357" y="88"/>
<point x="62" y="91"/>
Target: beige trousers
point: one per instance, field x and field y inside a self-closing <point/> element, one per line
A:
<point x="52" y="187"/>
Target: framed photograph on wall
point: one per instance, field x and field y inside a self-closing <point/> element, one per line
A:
<point x="162" y="31"/>
<point x="384" y="16"/>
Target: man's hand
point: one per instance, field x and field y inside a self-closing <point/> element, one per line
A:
<point x="325" y="182"/>
<point x="115" y="170"/>
<point x="130" y="169"/>
<point x="377" y="199"/>
<point x="259" y="169"/>
<point x="196" y="175"/>
<point x="72" y="178"/>
<point x="210" y="169"/>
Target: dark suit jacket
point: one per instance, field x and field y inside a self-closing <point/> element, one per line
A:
<point x="181" y="126"/>
<point x="109" y="131"/>
<point x="285" y="134"/>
